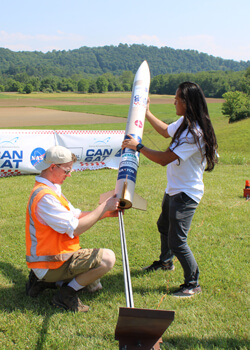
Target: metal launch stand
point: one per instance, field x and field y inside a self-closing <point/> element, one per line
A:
<point x="138" y="328"/>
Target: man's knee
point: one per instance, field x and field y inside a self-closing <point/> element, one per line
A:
<point x="108" y="258"/>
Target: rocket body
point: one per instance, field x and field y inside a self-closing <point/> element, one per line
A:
<point x="125" y="184"/>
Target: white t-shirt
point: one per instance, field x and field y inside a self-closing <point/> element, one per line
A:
<point x="186" y="173"/>
<point x="51" y="212"/>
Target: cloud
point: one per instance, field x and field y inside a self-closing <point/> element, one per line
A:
<point x="40" y="42"/>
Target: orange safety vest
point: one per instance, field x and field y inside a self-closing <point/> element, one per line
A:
<point x="45" y="247"/>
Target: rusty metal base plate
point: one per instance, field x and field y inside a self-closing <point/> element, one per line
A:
<point x="142" y="328"/>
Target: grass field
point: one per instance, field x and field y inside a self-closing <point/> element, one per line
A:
<point x="219" y="237"/>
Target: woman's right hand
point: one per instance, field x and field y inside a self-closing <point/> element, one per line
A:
<point x="147" y="108"/>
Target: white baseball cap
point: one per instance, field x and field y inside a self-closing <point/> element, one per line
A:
<point x="54" y="155"/>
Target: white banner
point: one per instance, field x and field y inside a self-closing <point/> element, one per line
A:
<point x="94" y="149"/>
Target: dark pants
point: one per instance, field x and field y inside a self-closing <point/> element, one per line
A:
<point x="173" y="225"/>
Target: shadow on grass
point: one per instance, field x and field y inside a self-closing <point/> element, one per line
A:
<point x="14" y="298"/>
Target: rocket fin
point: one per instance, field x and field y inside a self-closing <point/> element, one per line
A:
<point x="139" y="202"/>
<point x="106" y="195"/>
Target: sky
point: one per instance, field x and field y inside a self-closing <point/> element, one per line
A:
<point x="218" y="27"/>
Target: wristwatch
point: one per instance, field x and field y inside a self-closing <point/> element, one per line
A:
<point x="139" y="147"/>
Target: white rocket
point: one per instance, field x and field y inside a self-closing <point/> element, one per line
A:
<point x="125" y="184"/>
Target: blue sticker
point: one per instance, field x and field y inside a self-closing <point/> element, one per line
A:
<point x="127" y="172"/>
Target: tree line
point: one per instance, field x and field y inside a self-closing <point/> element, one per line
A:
<point x="213" y="83"/>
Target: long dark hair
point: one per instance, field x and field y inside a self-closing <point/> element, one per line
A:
<point x="197" y="112"/>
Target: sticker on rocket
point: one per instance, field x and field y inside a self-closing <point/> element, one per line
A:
<point x="139" y="124"/>
<point x="127" y="173"/>
<point x="129" y="162"/>
<point x="132" y="161"/>
<point x="140" y="96"/>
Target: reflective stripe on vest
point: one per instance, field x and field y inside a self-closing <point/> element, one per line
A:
<point x="49" y="258"/>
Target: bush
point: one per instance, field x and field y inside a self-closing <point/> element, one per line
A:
<point x="28" y="88"/>
<point x="83" y="85"/>
<point x="236" y="106"/>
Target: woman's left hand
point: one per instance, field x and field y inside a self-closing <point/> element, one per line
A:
<point x="130" y="143"/>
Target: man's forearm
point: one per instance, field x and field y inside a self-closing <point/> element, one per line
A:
<point x="88" y="219"/>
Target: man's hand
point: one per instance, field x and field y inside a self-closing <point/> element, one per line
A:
<point x="105" y="209"/>
<point x="112" y="204"/>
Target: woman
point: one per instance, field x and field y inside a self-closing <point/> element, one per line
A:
<point x="192" y="150"/>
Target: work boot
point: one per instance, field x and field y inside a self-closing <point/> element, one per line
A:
<point x="67" y="299"/>
<point x="34" y="286"/>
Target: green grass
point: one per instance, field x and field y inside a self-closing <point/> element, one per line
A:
<point x="164" y="112"/>
<point x="68" y="96"/>
<point x="216" y="319"/>
<point x="4" y="96"/>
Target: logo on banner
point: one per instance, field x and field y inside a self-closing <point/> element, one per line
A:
<point x="37" y="156"/>
<point x="104" y="141"/>
<point x="11" y="159"/>
<point x="9" y="143"/>
<point x="97" y="155"/>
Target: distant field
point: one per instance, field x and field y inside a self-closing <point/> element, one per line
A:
<point x="38" y="109"/>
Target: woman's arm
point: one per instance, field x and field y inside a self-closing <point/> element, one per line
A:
<point x="157" y="124"/>
<point x="159" y="157"/>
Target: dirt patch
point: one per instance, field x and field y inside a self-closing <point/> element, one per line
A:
<point x="29" y="116"/>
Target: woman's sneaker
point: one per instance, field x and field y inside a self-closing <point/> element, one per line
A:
<point x="160" y="265"/>
<point x="187" y="291"/>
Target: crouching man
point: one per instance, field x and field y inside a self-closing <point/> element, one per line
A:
<point x="53" y="227"/>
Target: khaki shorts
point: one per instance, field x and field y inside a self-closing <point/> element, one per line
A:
<point x="80" y="262"/>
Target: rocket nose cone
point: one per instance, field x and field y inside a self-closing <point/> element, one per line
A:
<point x="143" y="72"/>
<point x="145" y="64"/>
